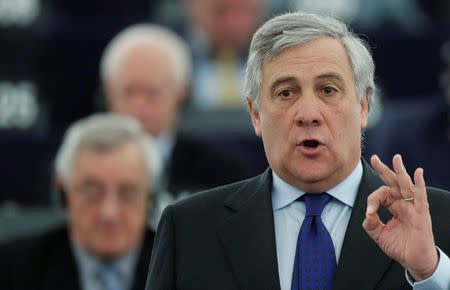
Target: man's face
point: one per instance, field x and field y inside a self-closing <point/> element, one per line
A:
<point x="108" y="200"/>
<point x="144" y="87"/>
<point x="310" y="117"/>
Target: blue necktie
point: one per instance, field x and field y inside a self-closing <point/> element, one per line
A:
<point x="111" y="277"/>
<point x="315" y="260"/>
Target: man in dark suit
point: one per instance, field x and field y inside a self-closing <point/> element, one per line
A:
<point x="104" y="170"/>
<point x="313" y="219"/>
<point x="145" y="72"/>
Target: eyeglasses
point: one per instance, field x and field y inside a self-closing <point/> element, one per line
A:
<point x="127" y="195"/>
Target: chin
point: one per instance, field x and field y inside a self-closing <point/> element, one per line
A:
<point x="111" y="246"/>
<point x="313" y="178"/>
<point x="112" y="252"/>
<point x="313" y="169"/>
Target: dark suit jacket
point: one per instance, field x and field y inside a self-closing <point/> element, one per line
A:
<point x="46" y="262"/>
<point x="195" y="166"/>
<point x="225" y="239"/>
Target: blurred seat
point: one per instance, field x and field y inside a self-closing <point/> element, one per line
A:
<point x="17" y="221"/>
<point x="26" y="167"/>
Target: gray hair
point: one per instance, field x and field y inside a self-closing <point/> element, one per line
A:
<point x="104" y="131"/>
<point x="150" y="34"/>
<point x="292" y="29"/>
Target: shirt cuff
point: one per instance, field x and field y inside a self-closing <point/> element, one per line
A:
<point x="440" y="278"/>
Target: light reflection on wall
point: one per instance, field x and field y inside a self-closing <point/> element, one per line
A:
<point x="19" y="107"/>
<point x="19" y="13"/>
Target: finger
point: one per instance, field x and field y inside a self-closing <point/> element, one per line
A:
<point x="386" y="174"/>
<point x="383" y="196"/>
<point x="373" y="226"/>
<point x="404" y="180"/>
<point x="380" y="196"/>
<point x="372" y="223"/>
<point x="420" y="191"/>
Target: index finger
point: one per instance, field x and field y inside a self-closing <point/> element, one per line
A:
<point x="404" y="180"/>
<point x="386" y="174"/>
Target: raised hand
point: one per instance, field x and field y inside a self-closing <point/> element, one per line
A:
<point x="408" y="236"/>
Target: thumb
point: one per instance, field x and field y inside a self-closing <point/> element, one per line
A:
<point x="373" y="225"/>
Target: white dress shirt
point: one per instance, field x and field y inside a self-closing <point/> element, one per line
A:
<point x="164" y="144"/>
<point x="288" y="218"/>
<point x="89" y="267"/>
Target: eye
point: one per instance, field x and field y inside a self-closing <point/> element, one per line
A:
<point x="90" y="192"/>
<point x="130" y="193"/>
<point x="285" y="93"/>
<point x="329" y="91"/>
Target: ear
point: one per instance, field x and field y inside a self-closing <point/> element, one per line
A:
<point x="365" y="109"/>
<point x="183" y="92"/>
<point x="255" y="114"/>
<point x="59" y="193"/>
<point x="107" y="93"/>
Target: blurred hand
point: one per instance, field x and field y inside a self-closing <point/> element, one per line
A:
<point x="408" y="236"/>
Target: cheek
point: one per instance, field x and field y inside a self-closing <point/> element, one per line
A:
<point x="136" y="216"/>
<point x="122" y="108"/>
<point x="83" y="219"/>
<point x="74" y="208"/>
<point x="275" y="134"/>
<point x="269" y="131"/>
<point x="276" y="121"/>
<point x="167" y="110"/>
<point x="118" y="100"/>
<point x="349" y="128"/>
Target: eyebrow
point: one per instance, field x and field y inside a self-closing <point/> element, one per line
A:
<point x="294" y="79"/>
<point x="331" y="76"/>
<point x="282" y="80"/>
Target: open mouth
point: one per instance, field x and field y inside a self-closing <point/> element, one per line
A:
<point x="311" y="144"/>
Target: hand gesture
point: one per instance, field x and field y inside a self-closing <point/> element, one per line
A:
<point x="408" y="236"/>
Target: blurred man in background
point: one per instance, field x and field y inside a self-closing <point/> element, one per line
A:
<point x="145" y="71"/>
<point x="104" y="171"/>
<point x="219" y="32"/>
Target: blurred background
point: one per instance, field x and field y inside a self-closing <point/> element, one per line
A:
<point x="49" y="78"/>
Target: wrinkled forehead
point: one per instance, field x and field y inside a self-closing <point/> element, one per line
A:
<point x="146" y="55"/>
<point x="324" y="54"/>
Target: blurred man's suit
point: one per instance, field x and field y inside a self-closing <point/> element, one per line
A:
<point x="195" y="166"/>
<point x="225" y="239"/>
<point x="47" y="262"/>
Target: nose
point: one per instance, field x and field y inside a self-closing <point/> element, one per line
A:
<point x="308" y="111"/>
<point x="138" y="106"/>
<point x="137" y="100"/>
<point x="110" y="206"/>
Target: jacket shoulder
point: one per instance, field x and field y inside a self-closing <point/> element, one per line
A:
<point x="439" y="203"/>
<point x="231" y="195"/>
<point x="28" y="257"/>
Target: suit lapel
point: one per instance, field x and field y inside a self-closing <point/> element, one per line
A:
<point x="141" y="271"/>
<point x="362" y="263"/>
<point x="248" y="242"/>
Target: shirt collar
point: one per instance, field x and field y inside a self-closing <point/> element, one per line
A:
<point x="164" y="143"/>
<point x="284" y="194"/>
<point x="89" y="264"/>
